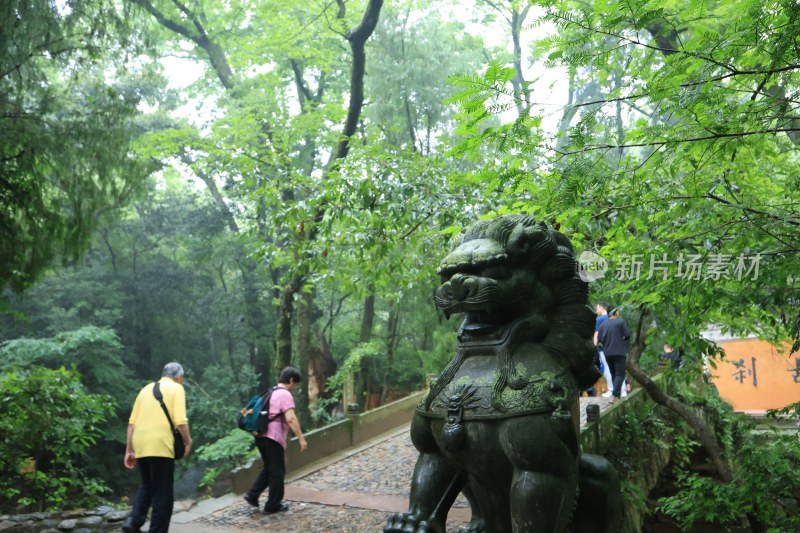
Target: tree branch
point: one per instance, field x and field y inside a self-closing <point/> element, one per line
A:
<point x="216" y="56"/>
<point x="357" y="37"/>
<point x="166" y="22"/>
<point x="768" y="72"/>
<point x="191" y="16"/>
<point x="518" y="81"/>
<point x="698" y="424"/>
<point x="596" y="147"/>
<point x="666" y="40"/>
<point x="302" y="88"/>
<point x="747" y="209"/>
<point x="497" y="8"/>
<point x="215" y="194"/>
<point x="665" y="51"/>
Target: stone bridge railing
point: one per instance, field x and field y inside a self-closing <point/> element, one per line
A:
<point x="597" y="436"/>
<point x="351" y="431"/>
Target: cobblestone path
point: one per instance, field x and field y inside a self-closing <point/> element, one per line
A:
<point x="353" y="494"/>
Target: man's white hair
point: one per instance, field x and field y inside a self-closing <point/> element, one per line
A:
<point x="172" y="370"/>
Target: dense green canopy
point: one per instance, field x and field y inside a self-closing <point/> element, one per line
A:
<point x="68" y="102"/>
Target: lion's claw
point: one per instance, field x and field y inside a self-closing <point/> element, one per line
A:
<point x="406" y="523"/>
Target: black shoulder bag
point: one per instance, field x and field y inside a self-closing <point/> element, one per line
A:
<point x="264" y="420"/>
<point x="179" y="446"/>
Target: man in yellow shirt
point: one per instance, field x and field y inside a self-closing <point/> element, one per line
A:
<point x="150" y="443"/>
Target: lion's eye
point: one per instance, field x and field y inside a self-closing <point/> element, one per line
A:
<point x="496" y="272"/>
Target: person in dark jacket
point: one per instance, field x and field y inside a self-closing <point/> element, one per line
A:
<point x="614" y="336"/>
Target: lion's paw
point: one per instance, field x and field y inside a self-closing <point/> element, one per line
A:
<point x="406" y="523"/>
<point x="476" y="526"/>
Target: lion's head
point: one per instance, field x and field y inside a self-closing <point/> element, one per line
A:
<point x="514" y="266"/>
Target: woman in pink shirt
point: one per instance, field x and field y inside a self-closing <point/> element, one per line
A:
<point x="271" y="444"/>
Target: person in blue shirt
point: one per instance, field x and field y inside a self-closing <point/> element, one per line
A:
<point x="671" y="355"/>
<point x="613" y="337"/>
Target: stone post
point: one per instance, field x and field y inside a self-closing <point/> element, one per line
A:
<point x="349" y="390"/>
<point x="593" y="421"/>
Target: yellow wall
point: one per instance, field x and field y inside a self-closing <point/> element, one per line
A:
<point x="773" y="382"/>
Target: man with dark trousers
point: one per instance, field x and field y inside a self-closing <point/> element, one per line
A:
<point x="613" y="337"/>
<point x="150" y="444"/>
<point x="271" y="443"/>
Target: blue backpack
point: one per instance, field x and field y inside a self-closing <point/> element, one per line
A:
<point x="254" y="418"/>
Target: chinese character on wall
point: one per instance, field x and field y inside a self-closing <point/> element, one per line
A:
<point x="796" y="370"/>
<point x="743" y="373"/>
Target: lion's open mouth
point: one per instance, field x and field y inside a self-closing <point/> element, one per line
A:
<point x="485" y="302"/>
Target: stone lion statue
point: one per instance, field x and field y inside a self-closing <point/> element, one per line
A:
<point x="500" y="423"/>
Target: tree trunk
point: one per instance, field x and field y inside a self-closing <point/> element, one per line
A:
<point x="569" y="112"/>
<point x="620" y="125"/>
<point x="392" y="339"/>
<point x="518" y="81"/>
<point x="357" y="37"/>
<point x="368" y="317"/>
<point x="283" y="336"/>
<point x="303" y="347"/>
<point x="426" y="342"/>
<point x="321" y="367"/>
<point x="361" y="384"/>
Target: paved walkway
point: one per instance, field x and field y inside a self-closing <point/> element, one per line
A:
<point x="354" y="491"/>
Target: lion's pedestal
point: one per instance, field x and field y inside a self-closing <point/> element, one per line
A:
<point x="500" y="423"/>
